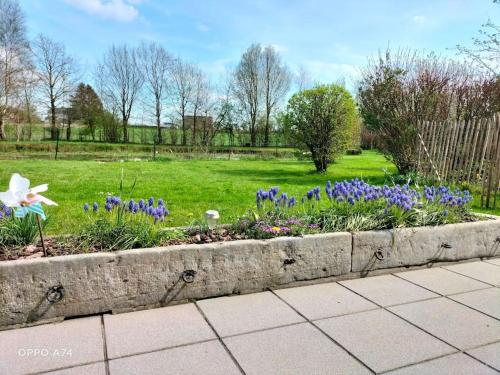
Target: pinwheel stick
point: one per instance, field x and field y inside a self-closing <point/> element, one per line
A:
<point x="41" y="235"/>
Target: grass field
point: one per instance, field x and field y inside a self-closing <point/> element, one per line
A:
<point x="190" y="187"/>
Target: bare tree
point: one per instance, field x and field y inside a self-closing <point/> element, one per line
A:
<point x="182" y="92"/>
<point x="276" y="79"/>
<point x="29" y="82"/>
<point x="220" y="108"/>
<point x="247" y="86"/>
<point x="56" y="70"/>
<point x="486" y="47"/>
<point x="14" y="52"/>
<point x="120" y="80"/>
<point x="156" y="64"/>
<point x="303" y="79"/>
<point x="200" y="102"/>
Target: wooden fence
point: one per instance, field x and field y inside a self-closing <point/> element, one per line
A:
<point x="462" y="152"/>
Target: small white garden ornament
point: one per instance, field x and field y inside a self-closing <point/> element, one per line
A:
<point x="212" y="216"/>
<point x="25" y="200"/>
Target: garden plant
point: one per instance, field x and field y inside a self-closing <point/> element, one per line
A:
<point x="350" y="205"/>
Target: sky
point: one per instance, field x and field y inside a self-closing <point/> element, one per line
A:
<point x="331" y="39"/>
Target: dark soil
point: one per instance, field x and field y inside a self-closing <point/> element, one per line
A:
<point x="62" y="246"/>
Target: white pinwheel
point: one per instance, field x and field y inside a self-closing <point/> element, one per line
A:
<point x="24" y="199"/>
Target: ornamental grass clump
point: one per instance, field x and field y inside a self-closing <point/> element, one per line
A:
<point x="356" y="205"/>
<point x="119" y="225"/>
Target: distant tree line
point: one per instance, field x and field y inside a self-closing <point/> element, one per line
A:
<point x="173" y="94"/>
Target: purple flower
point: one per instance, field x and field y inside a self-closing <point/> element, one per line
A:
<point x="95" y="206"/>
<point x="151" y="202"/>
<point x="108" y="206"/>
<point x="160" y="202"/>
<point x="86" y="207"/>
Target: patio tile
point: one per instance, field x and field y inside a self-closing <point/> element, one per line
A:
<point x="456" y="364"/>
<point x="489" y="354"/>
<point x="442" y="281"/>
<point x="486" y="301"/>
<point x="481" y="271"/>
<point x="208" y="358"/>
<point x="297" y="349"/>
<point x="382" y="340"/>
<point x="58" y="345"/>
<point x="98" y="368"/>
<point x="143" y="331"/>
<point x="387" y="290"/>
<point x="324" y="300"/>
<point x="250" y="312"/>
<point x="451" y="322"/>
<point x="495" y="261"/>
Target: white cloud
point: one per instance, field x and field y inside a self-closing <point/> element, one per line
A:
<point x="119" y="10"/>
<point x="419" y="19"/>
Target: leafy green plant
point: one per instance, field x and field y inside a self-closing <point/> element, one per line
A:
<point x="105" y="234"/>
<point x="19" y="231"/>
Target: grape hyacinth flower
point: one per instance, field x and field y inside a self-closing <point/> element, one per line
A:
<point x="86" y="207"/>
<point x="95" y="206"/>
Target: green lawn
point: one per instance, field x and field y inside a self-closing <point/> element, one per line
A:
<point x="190" y="187"/>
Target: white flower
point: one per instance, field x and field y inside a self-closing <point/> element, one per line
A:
<point x="20" y="195"/>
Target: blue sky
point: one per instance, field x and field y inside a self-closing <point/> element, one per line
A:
<point x="330" y="38"/>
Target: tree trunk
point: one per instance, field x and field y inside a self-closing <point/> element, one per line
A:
<point x="53" y="127"/>
<point x="320" y="162"/>
<point x="68" y="132"/>
<point x="159" y="138"/>
<point x="253" y="132"/>
<point x="266" y="130"/>
<point x="184" y="131"/>
<point x="125" y="131"/>
<point x="193" y="142"/>
<point x="2" y="129"/>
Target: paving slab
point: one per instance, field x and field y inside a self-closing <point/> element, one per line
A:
<point x="208" y="358"/>
<point x="482" y="271"/>
<point x="250" y="312"/>
<point x="98" y="368"/>
<point x="489" y="354"/>
<point x="454" y="323"/>
<point x="495" y="261"/>
<point x="387" y="290"/>
<point x="324" y="300"/>
<point x="298" y="349"/>
<point x="486" y="301"/>
<point x="51" y="346"/>
<point x="442" y="281"/>
<point x="143" y="331"/>
<point x="456" y="364"/>
<point x="382" y="340"/>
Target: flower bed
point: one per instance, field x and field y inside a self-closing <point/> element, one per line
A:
<point x="347" y="206"/>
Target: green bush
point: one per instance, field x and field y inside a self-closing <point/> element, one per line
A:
<point x="321" y="119"/>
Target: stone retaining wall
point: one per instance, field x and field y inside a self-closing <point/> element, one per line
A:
<point x="46" y="289"/>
